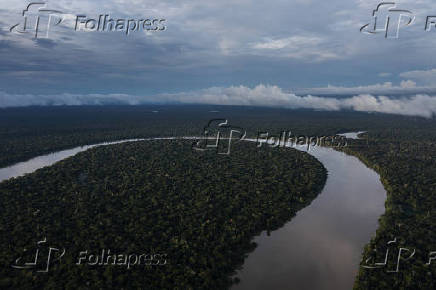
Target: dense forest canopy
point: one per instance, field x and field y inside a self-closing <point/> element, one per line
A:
<point x="82" y="191"/>
<point x="197" y="211"/>
<point x="32" y="131"/>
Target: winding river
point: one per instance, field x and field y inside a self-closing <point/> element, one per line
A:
<point x="320" y="248"/>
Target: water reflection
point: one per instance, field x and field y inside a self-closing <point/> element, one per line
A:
<point x="352" y="135"/>
<point x="321" y="247"/>
<point x="33" y="164"/>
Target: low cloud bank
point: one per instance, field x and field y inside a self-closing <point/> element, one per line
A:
<point x="405" y="87"/>
<point x="422" y="105"/>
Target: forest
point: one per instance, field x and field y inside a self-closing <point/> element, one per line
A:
<point x="405" y="161"/>
<point x="31" y="131"/>
<point x="102" y="197"/>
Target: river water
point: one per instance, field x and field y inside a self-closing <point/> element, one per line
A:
<point x="320" y="248"/>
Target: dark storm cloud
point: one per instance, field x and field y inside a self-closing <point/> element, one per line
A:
<point x="292" y="44"/>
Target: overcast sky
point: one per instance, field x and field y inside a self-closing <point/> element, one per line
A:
<point x="307" y="46"/>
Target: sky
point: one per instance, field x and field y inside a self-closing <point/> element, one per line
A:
<point x="270" y="51"/>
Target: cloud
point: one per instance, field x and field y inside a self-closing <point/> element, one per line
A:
<point x="230" y="41"/>
<point x="293" y="42"/>
<point x="384" y="75"/>
<point x="386" y="88"/>
<point x="273" y="96"/>
<point x="298" y="46"/>
<point x="300" y="43"/>
<point x="408" y="84"/>
<point x="16" y="100"/>
<point x="423" y="76"/>
<point x="418" y="105"/>
<point x="261" y="95"/>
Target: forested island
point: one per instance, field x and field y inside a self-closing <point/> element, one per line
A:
<point x="197" y="210"/>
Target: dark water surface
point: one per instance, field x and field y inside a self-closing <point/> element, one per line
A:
<point x="321" y="247"/>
